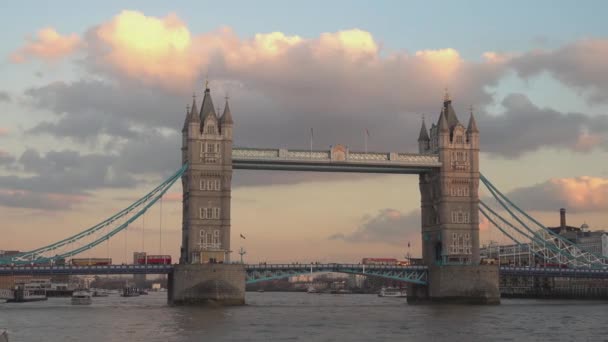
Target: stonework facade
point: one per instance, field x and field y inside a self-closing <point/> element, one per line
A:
<point x="449" y="195"/>
<point x="207" y="148"/>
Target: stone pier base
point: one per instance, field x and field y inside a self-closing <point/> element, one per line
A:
<point x="465" y="284"/>
<point x="202" y="284"/>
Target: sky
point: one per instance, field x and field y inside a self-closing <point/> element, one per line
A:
<point x="93" y="98"/>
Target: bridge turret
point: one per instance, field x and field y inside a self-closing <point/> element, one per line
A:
<point x="208" y="117"/>
<point x="207" y="185"/>
<point x="423" y="139"/>
<point x="473" y="132"/>
<point x="450" y="219"/>
<point x="226" y="121"/>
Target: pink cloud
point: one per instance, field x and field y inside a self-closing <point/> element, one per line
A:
<point x="583" y="192"/>
<point x="48" y="45"/>
<point x="45" y="201"/>
<point x="3" y="131"/>
<point x="163" y="51"/>
<point x="173" y="197"/>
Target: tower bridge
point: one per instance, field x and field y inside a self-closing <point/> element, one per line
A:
<point x="447" y="165"/>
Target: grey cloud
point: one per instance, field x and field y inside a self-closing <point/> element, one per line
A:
<point x="88" y="108"/>
<point x="69" y="172"/>
<point x="4" y="96"/>
<point x="388" y="226"/>
<point x="32" y="201"/>
<point x="581" y="65"/>
<point x="524" y="127"/>
<point x="582" y="194"/>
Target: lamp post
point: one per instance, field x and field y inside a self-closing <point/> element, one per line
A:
<point x="241" y="253"/>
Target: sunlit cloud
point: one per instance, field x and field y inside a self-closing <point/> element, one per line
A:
<point x="583" y="193"/>
<point x="47" y="45"/>
<point x="144" y="47"/>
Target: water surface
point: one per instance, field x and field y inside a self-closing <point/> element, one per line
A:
<point x="304" y="317"/>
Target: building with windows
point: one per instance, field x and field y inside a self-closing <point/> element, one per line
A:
<point x="207" y="148"/>
<point x="520" y="255"/>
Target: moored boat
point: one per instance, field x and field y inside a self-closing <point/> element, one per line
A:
<point x="130" y="292"/>
<point x="312" y="289"/>
<point x="81" y="297"/>
<point x="392" y="292"/>
<point x="100" y="293"/>
<point x="28" y="293"/>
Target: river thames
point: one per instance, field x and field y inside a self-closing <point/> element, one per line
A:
<point x="279" y="316"/>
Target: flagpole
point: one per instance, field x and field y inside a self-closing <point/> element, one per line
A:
<point x="311" y="136"/>
<point x="365" y="139"/>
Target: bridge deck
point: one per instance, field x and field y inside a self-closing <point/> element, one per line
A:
<point x="293" y="269"/>
<point x="331" y="161"/>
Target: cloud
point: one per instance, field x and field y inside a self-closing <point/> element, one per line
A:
<point x="388" y="226"/>
<point x="4" y="131"/>
<point x="5" y="157"/>
<point x="524" y="127"/>
<point x="4" y="96"/>
<point x="67" y="176"/>
<point x="48" y="45"/>
<point x="144" y="47"/>
<point x="579" y="194"/>
<point x="32" y="200"/>
<point x="581" y="65"/>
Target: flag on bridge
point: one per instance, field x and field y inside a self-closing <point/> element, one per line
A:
<point x="242" y="236"/>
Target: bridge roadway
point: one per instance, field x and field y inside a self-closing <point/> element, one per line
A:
<point x="264" y="272"/>
<point x="338" y="159"/>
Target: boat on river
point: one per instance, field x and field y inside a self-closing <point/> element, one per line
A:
<point x="130" y="292"/>
<point x="81" y="297"/>
<point x="392" y="292"/>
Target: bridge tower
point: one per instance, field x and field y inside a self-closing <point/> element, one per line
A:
<point x="207" y="148"/>
<point x="450" y="212"/>
<point x="204" y="273"/>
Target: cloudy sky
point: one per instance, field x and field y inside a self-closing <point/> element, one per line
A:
<point x="93" y="97"/>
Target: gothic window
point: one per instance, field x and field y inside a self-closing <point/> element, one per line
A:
<point x="460" y="217"/>
<point x="459" y="139"/>
<point x="216" y="237"/>
<point x="210" y="184"/>
<point x="209" y="213"/>
<point x="212" y="152"/>
<point x="210" y="129"/>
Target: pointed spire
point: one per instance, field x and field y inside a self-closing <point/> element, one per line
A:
<point x="185" y="128"/>
<point x="207" y="105"/>
<point x="472" y="128"/>
<point x="450" y="114"/>
<point x="443" y="123"/>
<point x="227" y="116"/>
<point x="424" y="135"/>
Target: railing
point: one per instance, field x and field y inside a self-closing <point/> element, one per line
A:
<point x="374" y="158"/>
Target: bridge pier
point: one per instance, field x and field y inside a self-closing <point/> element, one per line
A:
<point x="461" y="284"/>
<point x="201" y="284"/>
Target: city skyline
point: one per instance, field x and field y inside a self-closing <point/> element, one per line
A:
<point x="94" y="107"/>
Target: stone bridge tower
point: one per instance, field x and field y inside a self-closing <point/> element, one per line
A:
<point x="207" y="148"/>
<point x="450" y="214"/>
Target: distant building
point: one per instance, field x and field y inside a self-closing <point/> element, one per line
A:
<point x="592" y="241"/>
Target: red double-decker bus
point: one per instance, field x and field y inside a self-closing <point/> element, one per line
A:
<point x="154" y="260"/>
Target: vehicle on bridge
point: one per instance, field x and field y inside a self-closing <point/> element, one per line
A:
<point x="91" y="261"/>
<point x="154" y="260"/>
<point x="380" y="261"/>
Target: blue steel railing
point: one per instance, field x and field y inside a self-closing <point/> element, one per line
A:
<point x="258" y="273"/>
